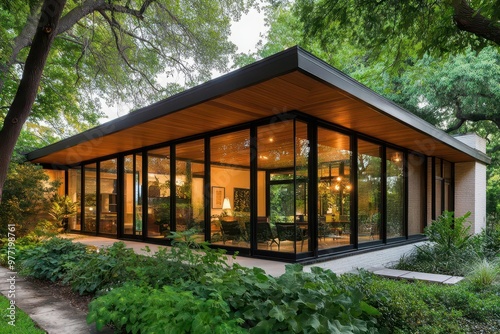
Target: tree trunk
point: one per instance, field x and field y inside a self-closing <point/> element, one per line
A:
<point x="26" y="93"/>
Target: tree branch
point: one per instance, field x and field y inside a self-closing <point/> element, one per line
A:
<point x="113" y="24"/>
<point x="470" y="20"/>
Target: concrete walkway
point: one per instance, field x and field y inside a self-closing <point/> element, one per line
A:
<point x="53" y="315"/>
<point x="418" y="276"/>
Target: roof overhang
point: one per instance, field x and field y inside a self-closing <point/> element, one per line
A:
<point x="290" y="80"/>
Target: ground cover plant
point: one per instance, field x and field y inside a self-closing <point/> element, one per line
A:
<point x="452" y="250"/>
<point x="23" y="323"/>
<point x="193" y="289"/>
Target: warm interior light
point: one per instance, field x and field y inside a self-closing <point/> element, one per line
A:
<point x="226" y="205"/>
<point x="339" y="178"/>
<point x="337" y="187"/>
<point x="271" y="139"/>
<point x="348" y="187"/>
<point x="263" y="157"/>
<point x="396" y="157"/>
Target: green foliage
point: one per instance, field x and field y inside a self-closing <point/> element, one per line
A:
<point x="62" y="208"/>
<point x="449" y="233"/>
<point x="94" y="272"/>
<point x="24" y="198"/>
<point x="484" y="274"/>
<point x="419" y="307"/>
<point x="137" y="309"/>
<point x="50" y="259"/>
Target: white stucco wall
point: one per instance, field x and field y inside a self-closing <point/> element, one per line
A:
<point x="470" y="185"/>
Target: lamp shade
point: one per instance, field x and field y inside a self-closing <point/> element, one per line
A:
<point x="226" y="205"/>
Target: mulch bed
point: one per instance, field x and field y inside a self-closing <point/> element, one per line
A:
<point x="61" y="291"/>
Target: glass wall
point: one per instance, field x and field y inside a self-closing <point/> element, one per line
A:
<point x="177" y="196"/>
<point x="75" y="195"/>
<point x="108" y="195"/>
<point x="395" y="194"/>
<point x="189" y="198"/>
<point x="230" y="192"/>
<point x="90" y="198"/>
<point x="158" y="223"/>
<point x="283" y="152"/>
<point x="334" y="189"/>
<point x="132" y="195"/>
<point x="369" y="191"/>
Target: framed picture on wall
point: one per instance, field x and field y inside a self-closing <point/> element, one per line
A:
<point x="218" y="194"/>
<point x="241" y="200"/>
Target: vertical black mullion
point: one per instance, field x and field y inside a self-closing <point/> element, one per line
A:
<point x="443" y="186"/>
<point x="66" y="181"/>
<point x="253" y="189"/>
<point x="426" y="191"/>
<point x="98" y="197"/>
<point x="295" y="185"/>
<point x="134" y="190"/>
<point x="406" y="200"/>
<point x="206" y="191"/>
<point x="383" y="193"/>
<point x="433" y="186"/>
<point x="173" y="173"/>
<point x="120" y="207"/>
<point x="354" y="192"/>
<point x="145" y="195"/>
<point x="312" y="185"/>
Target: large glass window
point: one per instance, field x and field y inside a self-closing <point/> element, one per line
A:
<point x="189" y="199"/>
<point x="230" y="193"/>
<point x="283" y="153"/>
<point x="334" y="189"/>
<point x="369" y="191"/>
<point x="158" y="211"/>
<point x="75" y="195"/>
<point x="395" y="194"/>
<point x="90" y="198"/>
<point x="132" y="192"/>
<point x="108" y="197"/>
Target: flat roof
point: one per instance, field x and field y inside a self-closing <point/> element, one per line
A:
<point x="290" y="80"/>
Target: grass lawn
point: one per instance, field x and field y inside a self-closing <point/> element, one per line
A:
<point x="23" y="323"/>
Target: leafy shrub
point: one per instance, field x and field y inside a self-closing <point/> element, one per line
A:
<point x="452" y="251"/>
<point x="50" y="259"/>
<point x="419" y="307"/>
<point x="97" y="271"/>
<point x="448" y="232"/>
<point x="295" y="302"/>
<point x="24" y="198"/>
<point x="140" y="309"/>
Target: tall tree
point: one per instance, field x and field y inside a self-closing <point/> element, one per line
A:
<point x="132" y="51"/>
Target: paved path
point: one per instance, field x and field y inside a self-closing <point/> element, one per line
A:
<point x="54" y="315"/>
<point x="417" y="276"/>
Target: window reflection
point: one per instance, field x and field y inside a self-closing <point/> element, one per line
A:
<point x="369" y="191"/>
<point x="158" y="192"/>
<point x="334" y="189"/>
<point x="90" y="198"/>
<point x="395" y="194"/>
<point x="189" y="199"/>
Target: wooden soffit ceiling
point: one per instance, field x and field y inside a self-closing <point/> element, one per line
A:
<point x="300" y="89"/>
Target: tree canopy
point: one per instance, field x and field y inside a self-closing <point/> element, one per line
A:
<point x="131" y="51"/>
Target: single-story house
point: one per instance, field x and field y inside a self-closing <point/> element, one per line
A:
<point x="287" y="158"/>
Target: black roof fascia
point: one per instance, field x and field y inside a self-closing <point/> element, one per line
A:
<point x="281" y="63"/>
